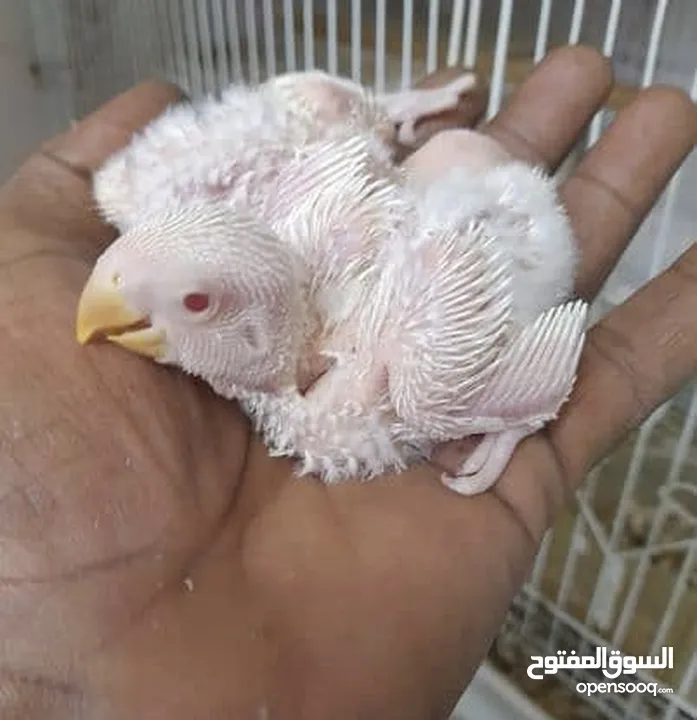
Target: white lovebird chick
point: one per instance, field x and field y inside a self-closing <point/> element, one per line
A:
<point x="464" y="174"/>
<point x="208" y="272"/>
<point x="440" y="298"/>
<point x="468" y="173"/>
<point x="204" y="150"/>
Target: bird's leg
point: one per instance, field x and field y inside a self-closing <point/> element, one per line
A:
<point x="476" y="461"/>
<point x="533" y="380"/>
<point x="407" y="107"/>
<point x="485" y="465"/>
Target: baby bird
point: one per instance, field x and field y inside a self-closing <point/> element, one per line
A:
<point x="206" y="150"/>
<point x="361" y="314"/>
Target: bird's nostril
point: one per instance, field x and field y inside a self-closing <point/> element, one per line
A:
<point x="116" y="279"/>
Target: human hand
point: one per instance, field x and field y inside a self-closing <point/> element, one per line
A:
<point x="157" y="563"/>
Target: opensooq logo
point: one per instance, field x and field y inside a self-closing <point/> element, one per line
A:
<point x="613" y="664"/>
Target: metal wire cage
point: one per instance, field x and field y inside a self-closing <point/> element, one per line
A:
<point x="620" y="569"/>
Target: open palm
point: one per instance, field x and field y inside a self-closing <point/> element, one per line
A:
<point x="156" y="563"/>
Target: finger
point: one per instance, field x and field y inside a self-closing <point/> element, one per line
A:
<point x="636" y="357"/>
<point x="620" y="179"/>
<point x="545" y="117"/>
<point x="90" y="142"/>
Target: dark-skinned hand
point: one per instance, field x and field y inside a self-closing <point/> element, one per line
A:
<point x="155" y="563"/>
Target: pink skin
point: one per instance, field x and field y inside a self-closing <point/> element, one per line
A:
<point x="450" y="148"/>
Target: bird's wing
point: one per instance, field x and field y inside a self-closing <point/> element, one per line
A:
<point x="325" y="172"/>
<point x="334" y="202"/>
<point x="192" y="151"/>
<point x="447" y="315"/>
<point x="326" y="100"/>
<point x="535" y="373"/>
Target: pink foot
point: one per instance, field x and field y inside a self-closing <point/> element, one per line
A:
<point x="486" y="464"/>
<point x="408" y="107"/>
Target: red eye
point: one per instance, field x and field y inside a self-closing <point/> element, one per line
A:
<point x="197" y="302"/>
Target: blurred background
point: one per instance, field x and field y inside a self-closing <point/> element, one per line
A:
<point x="618" y="570"/>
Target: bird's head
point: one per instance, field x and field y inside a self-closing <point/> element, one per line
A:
<point x="202" y="288"/>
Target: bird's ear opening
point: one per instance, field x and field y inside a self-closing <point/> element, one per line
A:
<point x="253" y="337"/>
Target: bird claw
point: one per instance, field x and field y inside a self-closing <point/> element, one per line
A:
<point x="407" y="133"/>
<point x="408" y="107"/>
<point x="471" y="484"/>
<point x="486" y="464"/>
<point x="477" y="460"/>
